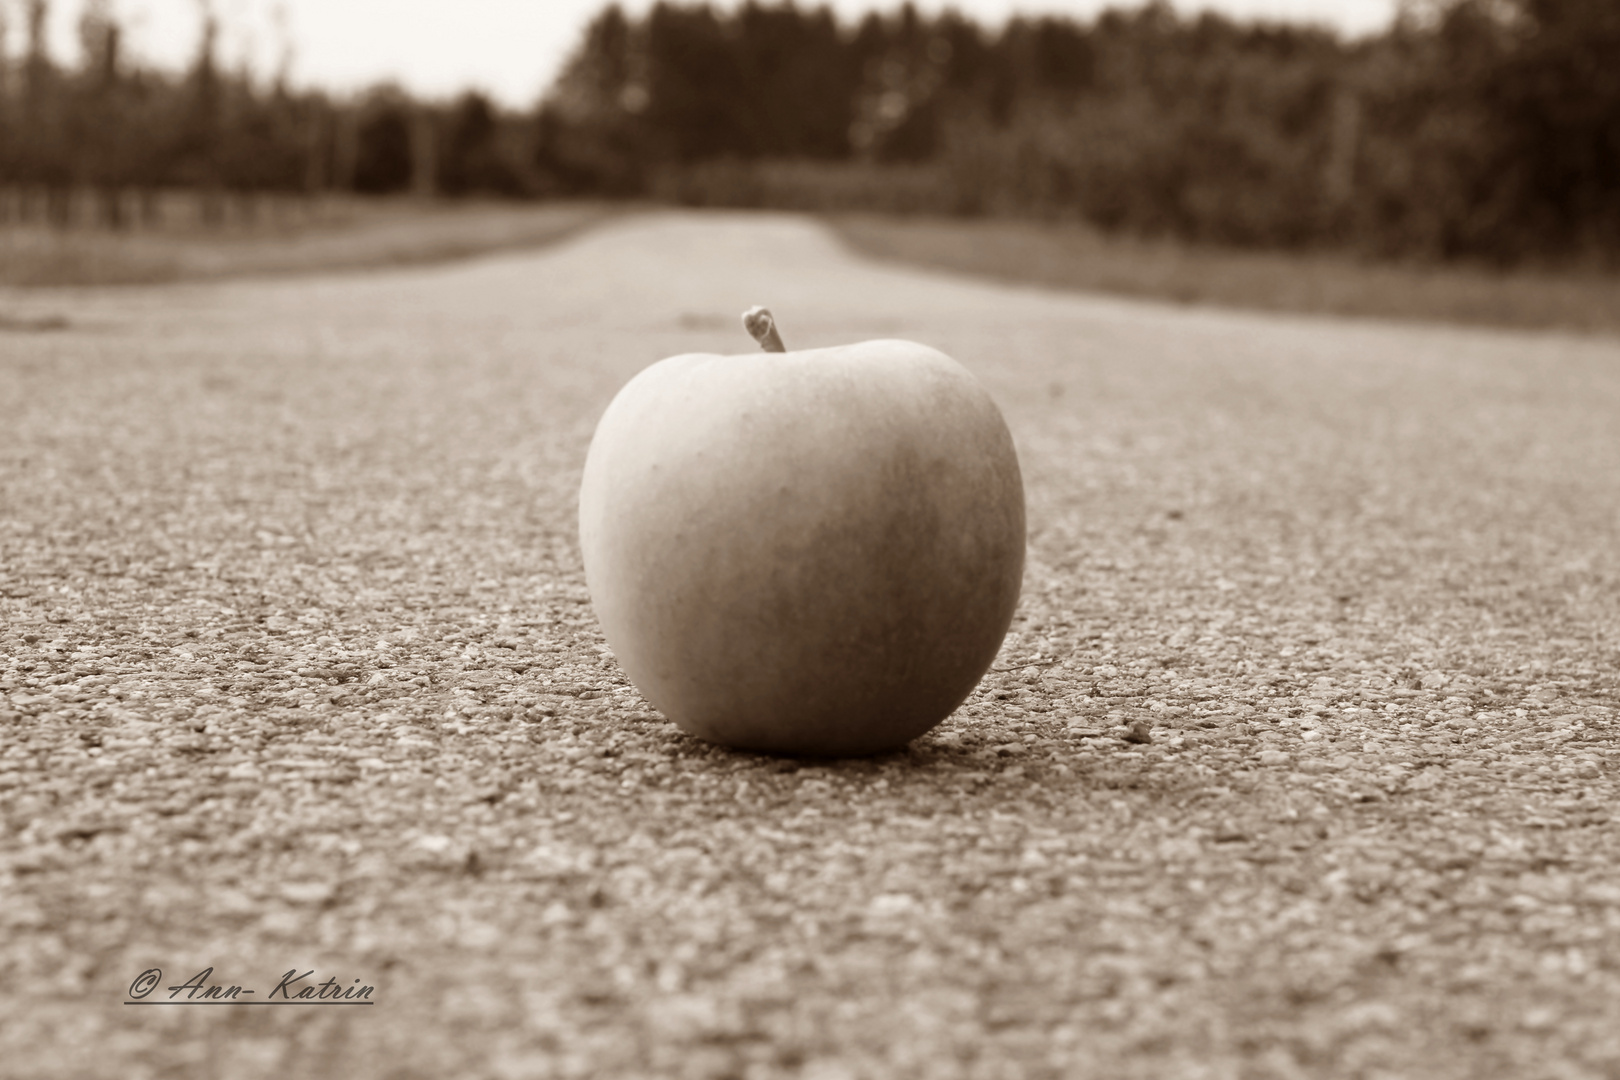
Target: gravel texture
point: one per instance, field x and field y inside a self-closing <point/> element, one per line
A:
<point x="1301" y="759"/>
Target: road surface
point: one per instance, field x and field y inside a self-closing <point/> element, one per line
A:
<point x="298" y="674"/>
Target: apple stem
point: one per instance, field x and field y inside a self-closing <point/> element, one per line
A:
<point x="762" y="327"/>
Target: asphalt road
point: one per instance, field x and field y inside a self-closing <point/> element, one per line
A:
<point x="298" y="673"/>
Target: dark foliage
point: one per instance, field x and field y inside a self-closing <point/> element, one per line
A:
<point x="1470" y="128"/>
<point x="383" y="159"/>
<point x="472" y="157"/>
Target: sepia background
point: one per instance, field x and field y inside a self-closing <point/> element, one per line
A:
<point x="1478" y="131"/>
<point x="1300" y="759"/>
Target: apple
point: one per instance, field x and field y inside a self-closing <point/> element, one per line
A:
<point x="814" y="552"/>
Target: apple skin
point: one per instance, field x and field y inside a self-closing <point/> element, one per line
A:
<point x="813" y="553"/>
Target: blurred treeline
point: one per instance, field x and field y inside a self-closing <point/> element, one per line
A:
<point x="111" y="141"/>
<point x="1478" y="128"/>
<point x="1470" y="128"/>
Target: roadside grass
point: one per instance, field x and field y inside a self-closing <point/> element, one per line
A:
<point x="1073" y="256"/>
<point x="288" y="237"/>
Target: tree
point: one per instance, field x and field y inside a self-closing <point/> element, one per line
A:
<point x="1554" y="94"/>
<point x="799" y="98"/>
<point x="697" y="96"/>
<point x="99" y="132"/>
<point x="589" y="131"/>
<point x="197" y="141"/>
<point x="42" y="159"/>
<point x="383" y="158"/>
<point x="472" y="158"/>
<point x="8" y="133"/>
<point x="897" y="105"/>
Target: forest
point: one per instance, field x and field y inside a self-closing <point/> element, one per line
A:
<point x="1469" y="129"/>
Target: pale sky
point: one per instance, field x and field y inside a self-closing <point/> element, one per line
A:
<point x="508" y="48"/>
